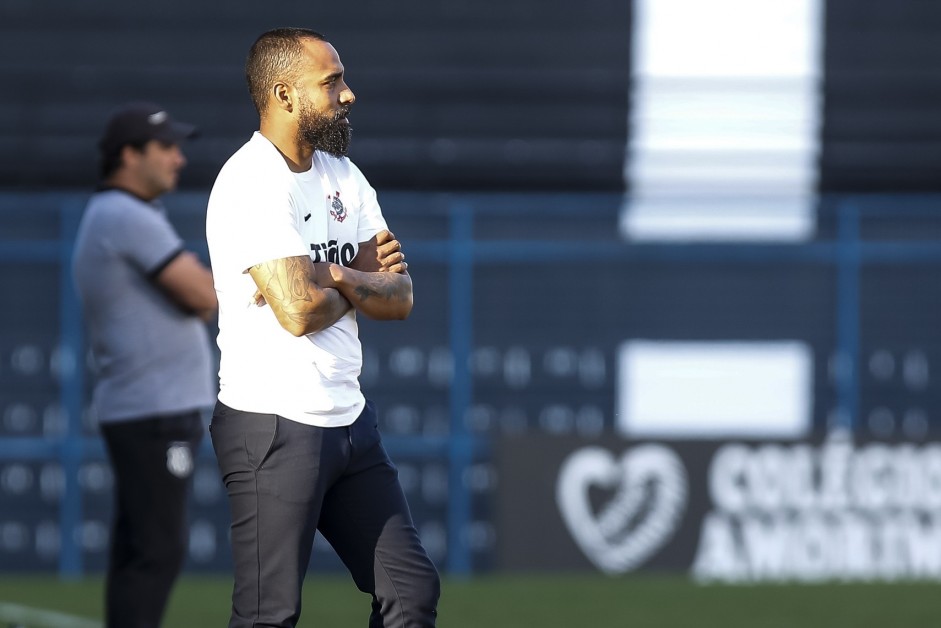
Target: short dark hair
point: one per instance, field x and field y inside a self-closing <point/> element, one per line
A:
<point x="110" y="160"/>
<point x="275" y="55"/>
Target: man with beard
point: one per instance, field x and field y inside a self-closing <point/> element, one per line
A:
<point x="298" y="246"/>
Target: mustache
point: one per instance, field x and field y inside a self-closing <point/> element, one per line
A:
<point x="341" y="113"/>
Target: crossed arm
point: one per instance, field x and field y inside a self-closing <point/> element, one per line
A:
<point x="189" y="284"/>
<point x="307" y="297"/>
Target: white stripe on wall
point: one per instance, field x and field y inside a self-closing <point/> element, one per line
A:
<point x="716" y="389"/>
<point x="724" y="120"/>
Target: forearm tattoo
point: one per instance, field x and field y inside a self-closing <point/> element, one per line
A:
<point x="383" y="286"/>
<point x="288" y="280"/>
<point x="295" y="296"/>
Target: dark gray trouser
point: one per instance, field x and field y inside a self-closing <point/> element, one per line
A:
<point x="286" y="480"/>
<point x="152" y="460"/>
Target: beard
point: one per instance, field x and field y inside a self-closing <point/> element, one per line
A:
<point x="325" y="132"/>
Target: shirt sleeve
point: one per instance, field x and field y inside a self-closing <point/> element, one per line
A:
<point x="371" y="220"/>
<point x="263" y="224"/>
<point x="146" y="238"/>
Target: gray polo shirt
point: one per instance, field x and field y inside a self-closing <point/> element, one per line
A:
<point x="152" y="357"/>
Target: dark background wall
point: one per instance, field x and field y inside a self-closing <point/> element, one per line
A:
<point x="882" y="96"/>
<point x="452" y="95"/>
<point x="521" y="94"/>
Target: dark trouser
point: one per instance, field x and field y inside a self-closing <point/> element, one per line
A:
<point x="153" y="462"/>
<point x="286" y="480"/>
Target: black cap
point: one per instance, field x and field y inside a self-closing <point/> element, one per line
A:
<point x="141" y="122"/>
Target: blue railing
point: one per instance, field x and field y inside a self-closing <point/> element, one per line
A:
<point x="458" y="248"/>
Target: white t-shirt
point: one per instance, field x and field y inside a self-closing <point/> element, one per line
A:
<point x="260" y="211"/>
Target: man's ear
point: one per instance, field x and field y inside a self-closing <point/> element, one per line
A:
<point x="283" y="95"/>
<point x="130" y="156"/>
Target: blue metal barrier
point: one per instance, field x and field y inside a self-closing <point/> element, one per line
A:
<point x="461" y="252"/>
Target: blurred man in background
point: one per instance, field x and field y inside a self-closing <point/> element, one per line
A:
<point x="294" y="227"/>
<point x="145" y="300"/>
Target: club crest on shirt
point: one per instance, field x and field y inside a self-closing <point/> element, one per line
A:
<point x="336" y="207"/>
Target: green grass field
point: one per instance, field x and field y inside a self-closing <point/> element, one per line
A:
<point x="539" y="602"/>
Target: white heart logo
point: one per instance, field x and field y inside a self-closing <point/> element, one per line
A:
<point x="650" y="487"/>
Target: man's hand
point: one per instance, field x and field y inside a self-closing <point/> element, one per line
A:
<point x="381" y="254"/>
<point x="389" y="252"/>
